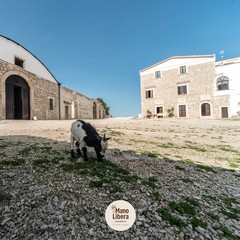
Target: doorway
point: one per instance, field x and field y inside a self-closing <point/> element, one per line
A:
<point x="66" y="112"/>
<point x="224" y="112"/>
<point x="205" y="109"/>
<point x="17" y="98"/>
<point x="94" y="110"/>
<point x="182" y="110"/>
<point x="17" y="102"/>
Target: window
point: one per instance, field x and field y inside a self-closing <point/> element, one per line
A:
<point x="51" y="103"/>
<point x="19" y="62"/>
<point x="182" y="110"/>
<point x="205" y="109"/>
<point x="223" y="83"/>
<point x="157" y="74"/>
<point x="182" y="89"/>
<point x="149" y="94"/>
<point x="183" y="69"/>
<point x="159" y="110"/>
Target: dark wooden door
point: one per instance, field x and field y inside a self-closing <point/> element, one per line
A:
<point x="66" y="112"/>
<point x="25" y="103"/>
<point x="94" y="110"/>
<point x="182" y="111"/>
<point x="9" y="101"/>
<point x="224" y="112"/>
<point x="17" y="102"/>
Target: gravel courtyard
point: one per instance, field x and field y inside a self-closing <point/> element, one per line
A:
<point x="181" y="176"/>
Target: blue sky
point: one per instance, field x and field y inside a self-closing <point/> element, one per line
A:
<point x="98" y="47"/>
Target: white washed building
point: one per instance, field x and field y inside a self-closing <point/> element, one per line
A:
<point x="28" y="89"/>
<point x="191" y="86"/>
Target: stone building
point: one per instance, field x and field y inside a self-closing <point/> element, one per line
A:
<point x="28" y="89"/>
<point x="191" y="87"/>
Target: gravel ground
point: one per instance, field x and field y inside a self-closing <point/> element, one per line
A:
<point x="181" y="176"/>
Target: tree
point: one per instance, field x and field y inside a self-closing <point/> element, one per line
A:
<point x="170" y="112"/>
<point x="105" y="106"/>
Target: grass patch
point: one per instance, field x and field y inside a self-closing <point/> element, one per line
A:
<point x="26" y="151"/>
<point x="151" y="182"/>
<point x="16" y="162"/>
<point x="41" y="161"/>
<point x="155" y="196"/>
<point x="206" y="168"/>
<point x="213" y="216"/>
<point x="116" y="133"/>
<point x="231" y="213"/>
<point x="228" y="200"/>
<point x="96" y="184"/>
<point x="228" y="149"/>
<point x="227" y="232"/>
<point x="214" y="198"/>
<point x="180" y="168"/>
<point x="167" y="216"/>
<point x="115" y="189"/>
<point x="150" y="154"/>
<point x="166" y="145"/>
<point x="186" y="160"/>
<point x="197" y="222"/>
<point x="234" y="165"/>
<point x="186" y="180"/>
<point x="109" y="174"/>
<point x="183" y="207"/>
<point x="196" y="148"/>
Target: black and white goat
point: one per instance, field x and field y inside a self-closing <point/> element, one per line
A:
<point x="84" y="134"/>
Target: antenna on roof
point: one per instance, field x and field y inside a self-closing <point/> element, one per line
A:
<point x="222" y="55"/>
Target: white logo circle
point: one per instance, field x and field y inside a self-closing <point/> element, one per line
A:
<point x="120" y="215"/>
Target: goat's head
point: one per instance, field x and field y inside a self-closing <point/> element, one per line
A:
<point x="104" y="144"/>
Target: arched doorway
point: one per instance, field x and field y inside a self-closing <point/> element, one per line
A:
<point x="205" y="109"/>
<point x="17" y="98"/>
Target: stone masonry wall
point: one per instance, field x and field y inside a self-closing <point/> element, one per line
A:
<point x="40" y="92"/>
<point x="43" y="91"/>
<point x="79" y="106"/>
<point x="200" y="81"/>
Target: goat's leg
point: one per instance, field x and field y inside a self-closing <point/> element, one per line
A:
<point x="78" y="149"/>
<point x="84" y="149"/>
<point x="85" y="157"/>
<point x="72" y="146"/>
<point x="99" y="156"/>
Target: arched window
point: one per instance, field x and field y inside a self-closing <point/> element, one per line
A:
<point x="222" y="83"/>
<point x="205" y="109"/>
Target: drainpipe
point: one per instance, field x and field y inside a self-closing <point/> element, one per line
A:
<point x="59" y="100"/>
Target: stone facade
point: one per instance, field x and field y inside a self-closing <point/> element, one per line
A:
<point x="191" y="93"/>
<point x="40" y="91"/>
<point x="30" y="91"/>
<point x="76" y="105"/>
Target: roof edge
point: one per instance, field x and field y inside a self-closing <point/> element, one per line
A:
<point x="32" y="55"/>
<point x="178" y="57"/>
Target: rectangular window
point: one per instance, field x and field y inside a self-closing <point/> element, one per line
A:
<point x="157" y="74"/>
<point x="149" y="94"/>
<point x="182" y="110"/>
<point x="183" y="69"/>
<point x="19" y="62"/>
<point x="51" y="103"/>
<point x="182" y="89"/>
<point x="159" y="110"/>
